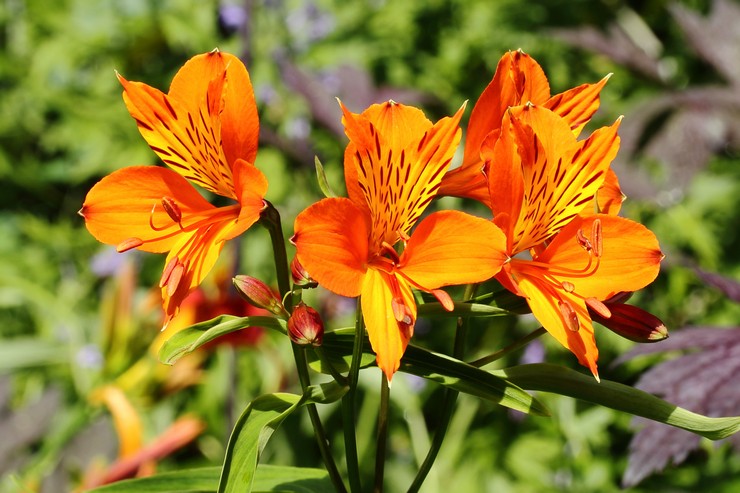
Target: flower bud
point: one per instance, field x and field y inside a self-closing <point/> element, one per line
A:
<point x="632" y="323"/>
<point x="259" y="294"/>
<point x="300" y="275"/>
<point x="305" y="326"/>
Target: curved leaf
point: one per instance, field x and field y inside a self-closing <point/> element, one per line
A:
<point x="564" y="381"/>
<point x="438" y="368"/>
<point x="191" y="338"/>
<point x="205" y="480"/>
<point x="255" y="426"/>
<point x="461" y="310"/>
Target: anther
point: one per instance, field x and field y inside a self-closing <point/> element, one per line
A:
<point x="568" y="287"/>
<point x="569" y="316"/>
<point x="129" y="244"/>
<point x="172" y="209"/>
<point x="583" y="241"/>
<point x="596" y="237"/>
<point x="401" y="312"/>
<point x="387" y="248"/>
<point x="598" y="307"/>
<point x="167" y="272"/>
<point x="444" y="299"/>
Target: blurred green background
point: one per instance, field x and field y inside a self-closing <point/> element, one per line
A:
<point x="75" y="317"/>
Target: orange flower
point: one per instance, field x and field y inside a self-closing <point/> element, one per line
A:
<point x="520" y="80"/>
<point x="393" y="167"/>
<point x="542" y="182"/>
<point x="205" y="129"/>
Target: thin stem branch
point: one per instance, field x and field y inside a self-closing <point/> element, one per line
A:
<point x="380" y="450"/>
<point x="448" y="403"/>
<point x="511" y="347"/>
<point x="270" y="218"/>
<point x="348" y="405"/>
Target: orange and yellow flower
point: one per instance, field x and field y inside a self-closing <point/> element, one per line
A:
<point x="394" y="164"/>
<point x="206" y="130"/>
<point x="519" y="80"/>
<point x="542" y="182"/>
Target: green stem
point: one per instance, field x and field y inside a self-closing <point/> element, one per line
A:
<point x="385" y="391"/>
<point x="348" y="406"/>
<point x="448" y="403"/>
<point x="270" y="218"/>
<point x="511" y="347"/>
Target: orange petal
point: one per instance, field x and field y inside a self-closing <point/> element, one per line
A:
<point x="126" y="203"/>
<point x="251" y="186"/>
<point x="331" y="243"/>
<point x="546" y="307"/>
<point x="125" y="418"/>
<point x="576" y="106"/>
<point x="452" y="247"/>
<point x="399" y="165"/>
<point x="630" y="259"/>
<point x="609" y="197"/>
<point x="388" y="336"/>
<point x="518" y="80"/>
<point x="239" y="120"/>
<point x="561" y="176"/>
<point x="190" y="261"/>
<point x="187" y="139"/>
<point x="505" y="179"/>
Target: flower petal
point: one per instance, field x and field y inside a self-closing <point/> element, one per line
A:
<point x="187" y="139"/>
<point x="399" y="166"/>
<point x="561" y="176"/>
<point x="251" y="186"/>
<point x="576" y="106"/>
<point x="609" y="197"/>
<point x="239" y="120"/>
<point x="451" y="247"/>
<point x="545" y="305"/>
<point x="331" y="239"/>
<point x="630" y="257"/>
<point x="388" y="336"/>
<point x="126" y="203"/>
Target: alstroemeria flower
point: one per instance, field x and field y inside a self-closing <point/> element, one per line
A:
<point x="519" y="80"/>
<point x="542" y="182"/>
<point x="393" y="167"/>
<point x="205" y="129"/>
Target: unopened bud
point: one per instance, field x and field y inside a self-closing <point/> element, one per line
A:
<point x="305" y="326"/>
<point x="632" y="323"/>
<point x="300" y="275"/>
<point x="259" y="294"/>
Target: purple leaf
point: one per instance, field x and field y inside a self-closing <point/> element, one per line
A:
<point x="703" y="381"/>
<point x="728" y="286"/>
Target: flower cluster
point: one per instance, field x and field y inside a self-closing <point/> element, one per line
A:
<point x="553" y="237"/>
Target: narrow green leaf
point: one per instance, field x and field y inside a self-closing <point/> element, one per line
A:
<point x="191" y="338"/>
<point x="461" y="310"/>
<point x="255" y="427"/>
<point x="323" y="182"/>
<point x="439" y="368"/>
<point x="205" y="480"/>
<point x="564" y="381"/>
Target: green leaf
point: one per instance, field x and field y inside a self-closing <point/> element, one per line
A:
<point x="255" y="427"/>
<point x="323" y="182"/>
<point x="461" y="310"/>
<point x="191" y="338"/>
<point x="438" y="368"/>
<point x="564" y="381"/>
<point x="205" y="480"/>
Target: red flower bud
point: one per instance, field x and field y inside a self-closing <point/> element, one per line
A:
<point x="259" y="294"/>
<point x="632" y="323"/>
<point x="305" y="326"/>
<point x="300" y="275"/>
